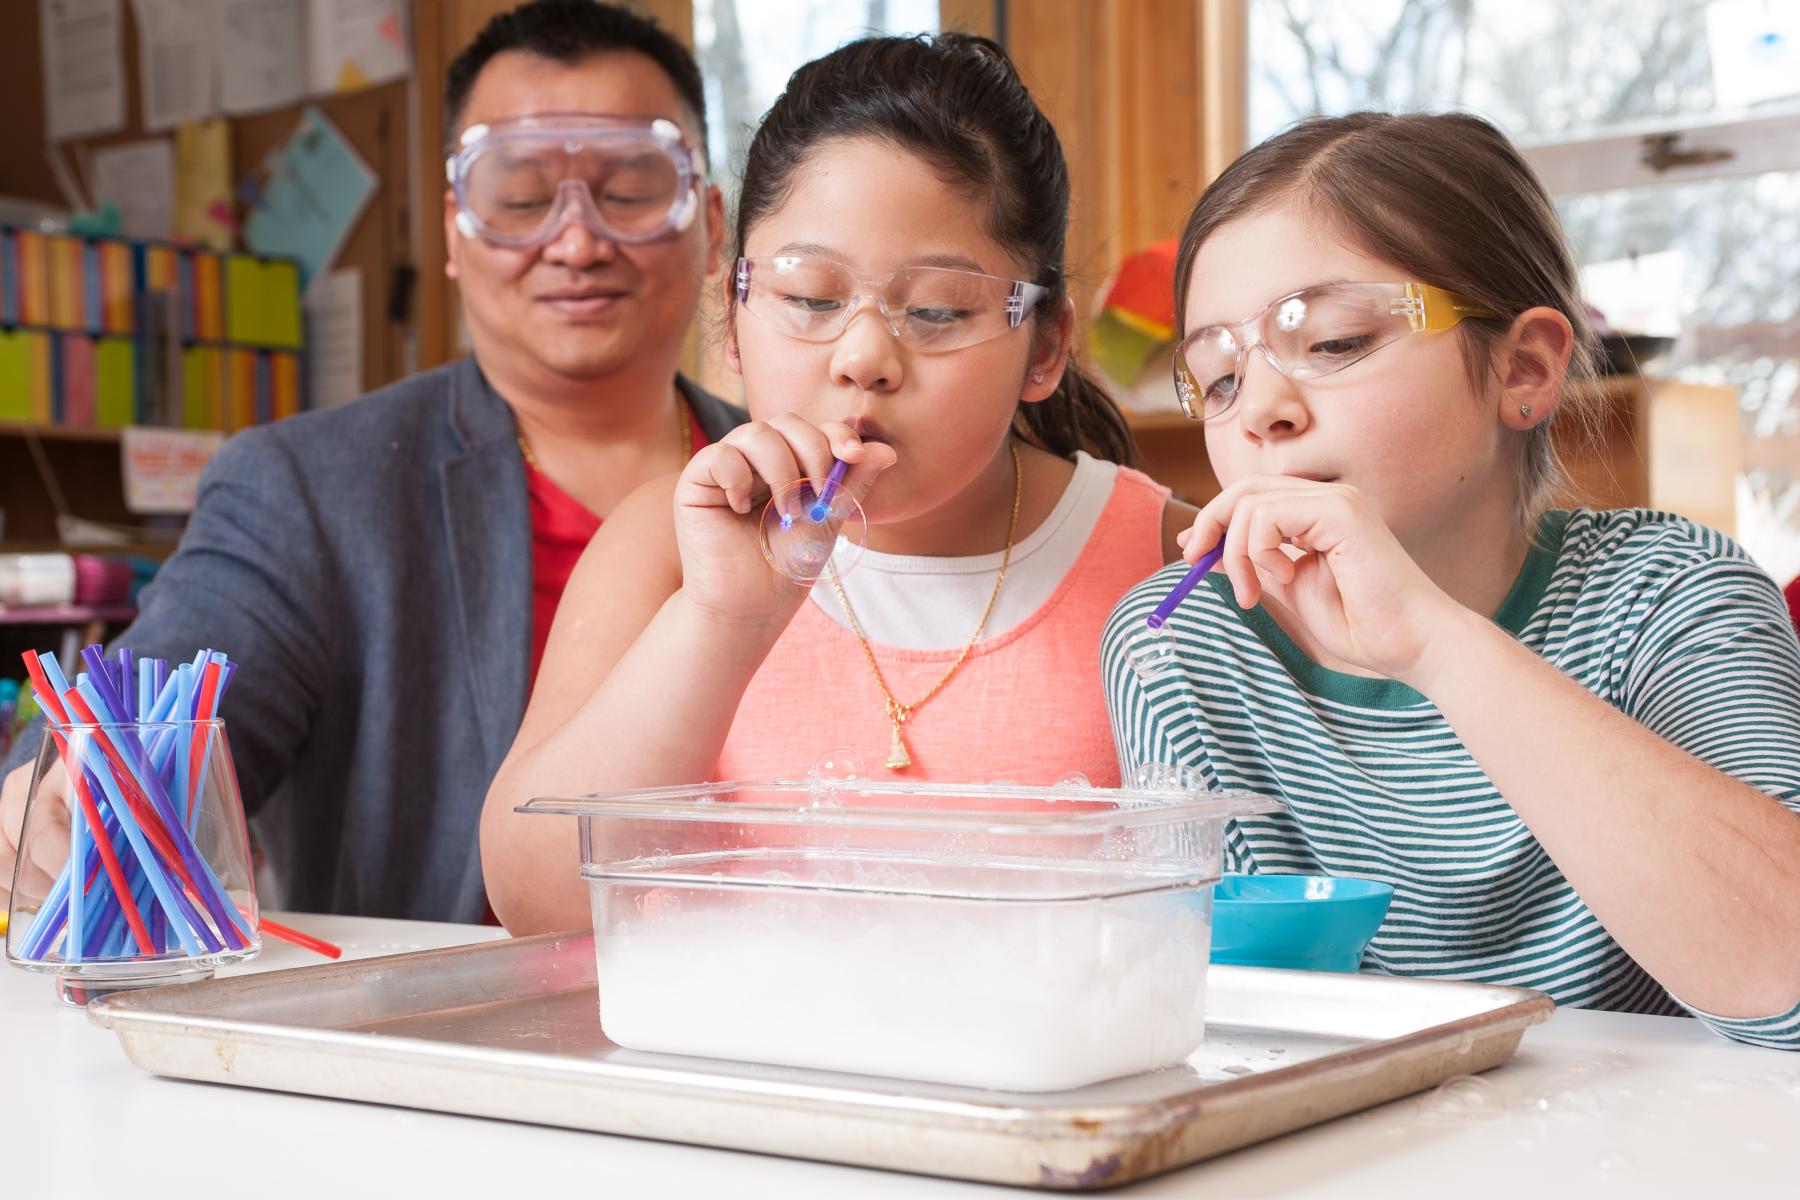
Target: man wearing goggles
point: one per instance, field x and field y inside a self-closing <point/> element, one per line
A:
<point x="386" y="572"/>
<point x="519" y="182"/>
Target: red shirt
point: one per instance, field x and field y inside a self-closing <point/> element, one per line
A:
<point x="560" y="530"/>
<point x="1793" y="599"/>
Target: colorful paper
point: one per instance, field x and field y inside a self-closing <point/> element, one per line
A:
<point x="34" y="278"/>
<point x="16" y="383"/>
<point x="115" y="383"/>
<point x="315" y="192"/>
<point x="75" y="381"/>
<point x="66" y="307"/>
<point x="203" y="183"/>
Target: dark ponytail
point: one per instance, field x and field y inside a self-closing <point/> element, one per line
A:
<point x="956" y="101"/>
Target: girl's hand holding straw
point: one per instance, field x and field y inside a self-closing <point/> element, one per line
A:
<point x="719" y="503"/>
<point x="1320" y="552"/>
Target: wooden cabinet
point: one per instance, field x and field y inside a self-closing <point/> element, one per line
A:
<point x="1657" y="443"/>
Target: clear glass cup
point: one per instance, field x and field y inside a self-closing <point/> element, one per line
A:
<point x="148" y="817"/>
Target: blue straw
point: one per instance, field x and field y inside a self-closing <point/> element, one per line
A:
<point x="212" y="895"/>
<point x="92" y="924"/>
<point x="166" y="893"/>
<point x="125" y="681"/>
<point x="77" y="923"/>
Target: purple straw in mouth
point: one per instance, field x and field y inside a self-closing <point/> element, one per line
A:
<point x="821" y="508"/>
<point x="1179" y="592"/>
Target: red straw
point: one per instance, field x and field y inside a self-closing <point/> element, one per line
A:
<point x="115" y="873"/>
<point x="147" y="817"/>
<point x="209" y="684"/>
<point x="303" y="940"/>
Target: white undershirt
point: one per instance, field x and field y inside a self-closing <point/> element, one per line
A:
<point x="923" y="603"/>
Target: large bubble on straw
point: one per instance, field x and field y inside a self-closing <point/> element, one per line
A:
<point x="802" y="533"/>
<point x="1151" y="653"/>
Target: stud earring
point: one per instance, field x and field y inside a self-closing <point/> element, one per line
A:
<point x="1037" y="377"/>
<point x="1524" y="410"/>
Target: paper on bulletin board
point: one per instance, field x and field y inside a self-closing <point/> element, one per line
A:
<point x="334" y="339"/>
<point x="354" y="44"/>
<point x="1755" y="49"/>
<point x="178" y="61"/>
<point x="138" y="178"/>
<point x="313" y="190"/>
<point x="84" y="90"/>
<point x="162" y="466"/>
<point x="203" y="183"/>
<point x="262" y="55"/>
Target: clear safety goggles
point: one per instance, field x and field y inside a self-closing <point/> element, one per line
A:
<point x="931" y="309"/>
<point x="1308" y="334"/>
<point x="520" y="182"/>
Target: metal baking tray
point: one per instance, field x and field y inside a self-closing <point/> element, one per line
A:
<point x="511" y="1029"/>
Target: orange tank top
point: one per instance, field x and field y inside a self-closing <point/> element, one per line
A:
<point x="1026" y="707"/>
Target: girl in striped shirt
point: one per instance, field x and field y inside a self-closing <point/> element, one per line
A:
<point x="1570" y="739"/>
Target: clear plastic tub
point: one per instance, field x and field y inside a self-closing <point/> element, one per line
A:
<point x="1026" y="939"/>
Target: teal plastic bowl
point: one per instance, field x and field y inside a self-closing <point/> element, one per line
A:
<point x="1303" y="922"/>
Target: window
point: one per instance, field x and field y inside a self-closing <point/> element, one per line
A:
<point x="747" y="50"/>
<point x="1669" y="133"/>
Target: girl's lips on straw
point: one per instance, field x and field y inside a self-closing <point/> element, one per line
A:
<point x="868" y="431"/>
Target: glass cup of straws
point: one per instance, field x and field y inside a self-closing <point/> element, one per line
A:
<point x="134" y="859"/>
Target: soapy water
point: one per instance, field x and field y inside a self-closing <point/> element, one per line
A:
<point x="1784" y="1082"/>
<point x="1463" y="1100"/>
<point x="801" y="535"/>
<point x="1032" y="996"/>
<point x="1565" y="1097"/>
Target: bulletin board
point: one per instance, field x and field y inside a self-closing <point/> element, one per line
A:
<point x="374" y="121"/>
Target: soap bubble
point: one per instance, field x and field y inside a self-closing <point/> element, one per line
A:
<point x="1151" y="653"/>
<point x="837" y="764"/>
<point x="828" y="772"/>
<point x="1462" y="1100"/>
<point x="801" y="535"/>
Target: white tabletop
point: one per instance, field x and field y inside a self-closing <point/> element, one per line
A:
<point x="1593" y="1103"/>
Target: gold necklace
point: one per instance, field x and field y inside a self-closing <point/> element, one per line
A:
<point x="898" y="757"/>
<point x="681" y="417"/>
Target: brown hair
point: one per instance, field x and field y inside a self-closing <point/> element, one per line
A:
<point x="956" y="101"/>
<point x="1444" y="196"/>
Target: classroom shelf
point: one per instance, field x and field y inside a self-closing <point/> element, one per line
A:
<point x="156" y="550"/>
<point x="59" y="433"/>
<point x="68" y="614"/>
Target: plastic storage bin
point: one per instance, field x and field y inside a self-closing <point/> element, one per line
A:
<point x="1027" y="939"/>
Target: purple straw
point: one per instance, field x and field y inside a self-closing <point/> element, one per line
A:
<point x="821" y="508"/>
<point x="1179" y="592"/>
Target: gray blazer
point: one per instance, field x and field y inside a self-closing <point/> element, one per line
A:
<point x="369" y="568"/>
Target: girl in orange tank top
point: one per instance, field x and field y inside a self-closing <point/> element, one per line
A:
<point x="899" y="303"/>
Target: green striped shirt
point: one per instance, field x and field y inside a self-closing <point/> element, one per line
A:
<point x="1668" y="621"/>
